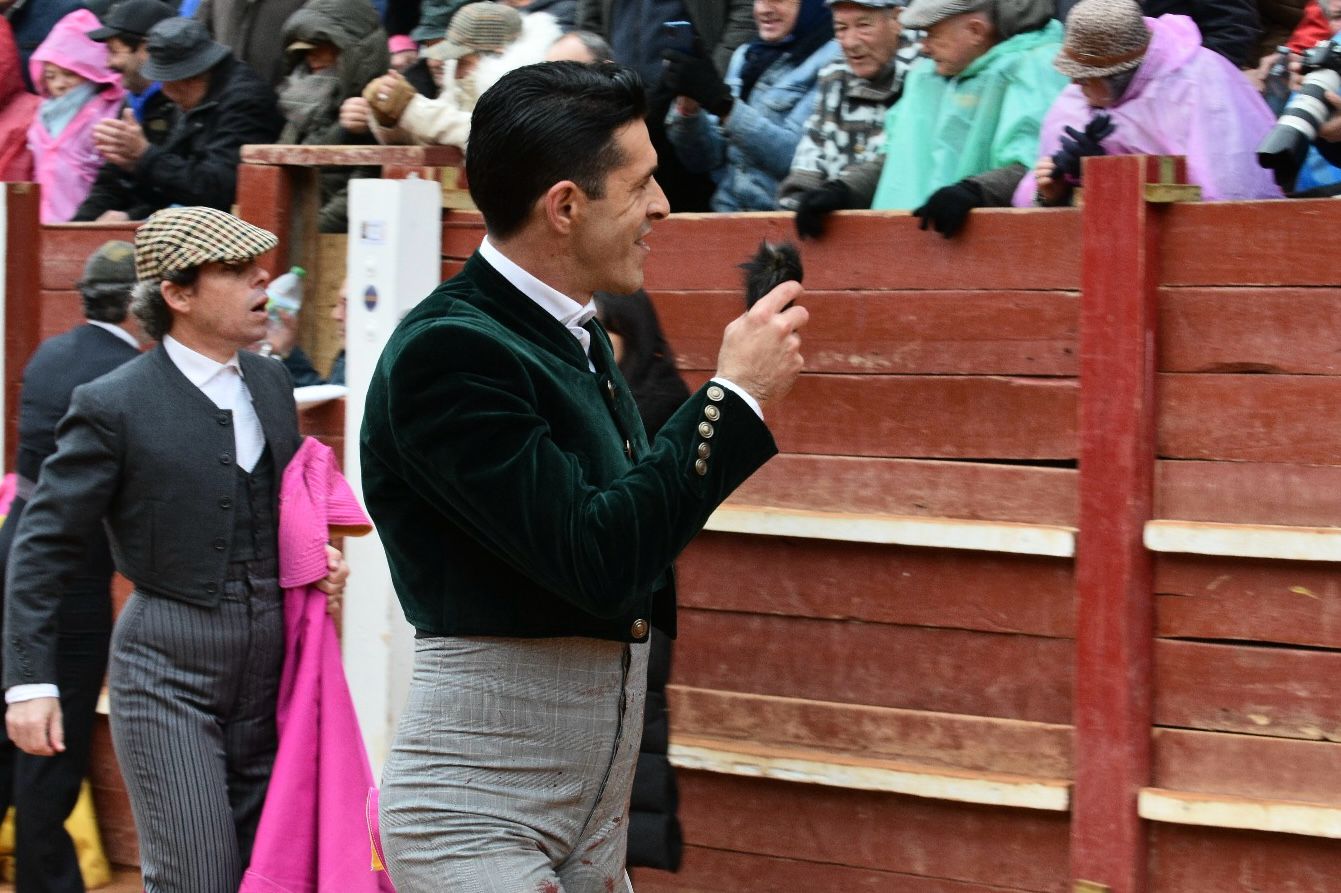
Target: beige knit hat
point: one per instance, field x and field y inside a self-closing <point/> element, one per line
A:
<point x="177" y="239"/>
<point x="1103" y="37"/>
<point x="482" y="27"/>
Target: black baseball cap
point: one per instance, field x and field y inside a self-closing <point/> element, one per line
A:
<point x="132" y="18"/>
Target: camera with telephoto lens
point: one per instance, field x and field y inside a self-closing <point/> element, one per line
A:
<point x="1286" y="145"/>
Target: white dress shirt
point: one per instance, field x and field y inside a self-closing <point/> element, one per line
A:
<point x="224" y="385"/>
<point x="569" y="312"/>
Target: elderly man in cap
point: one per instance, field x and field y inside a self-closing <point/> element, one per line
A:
<point x="965" y="131"/>
<point x="44" y="789"/>
<point x="1149" y="87"/>
<point x="222" y="105"/>
<point x="178" y="453"/>
<point x="838" y="158"/>
<point x="484" y="42"/>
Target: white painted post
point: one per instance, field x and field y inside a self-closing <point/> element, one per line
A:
<point x="394" y="261"/>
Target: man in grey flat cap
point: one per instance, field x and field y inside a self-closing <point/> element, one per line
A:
<point x="179" y="454"/>
<point x="222" y="105"/>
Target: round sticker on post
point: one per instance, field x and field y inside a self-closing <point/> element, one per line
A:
<point x="370" y="297"/>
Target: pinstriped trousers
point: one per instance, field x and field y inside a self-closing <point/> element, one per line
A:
<point x="513" y="765"/>
<point x="193" y="694"/>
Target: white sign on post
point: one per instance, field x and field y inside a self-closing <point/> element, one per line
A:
<point x="394" y="261"/>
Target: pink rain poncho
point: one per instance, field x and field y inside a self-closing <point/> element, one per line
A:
<point x="65" y="164"/>
<point x="312" y="837"/>
<point x="1183" y="100"/>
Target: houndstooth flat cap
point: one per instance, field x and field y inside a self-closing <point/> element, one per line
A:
<point x="177" y="239"/>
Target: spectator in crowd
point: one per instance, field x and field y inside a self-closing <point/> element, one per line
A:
<point x="1233" y="28"/>
<point x="425" y="73"/>
<point x="403" y="51"/>
<point x="564" y="11"/>
<point x="634" y="30"/>
<point x="485" y="41"/>
<point x="281" y="341"/>
<point x="1313" y="27"/>
<point x="646" y="360"/>
<point x="32" y="21"/>
<point x="965" y="131"/>
<point x="253" y="30"/>
<point x="78" y="90"/>
<point x="841" y="143"/>
<point x="17" y="108"/>
<point x="222" y="105"/>
<point x="124" y="30"/>
<point x="337" y="46"/>
<point x="580" y="46"/>
<point x="744" y="129"/>
<point x="1163" y="94"/>
<point x="45" y="789"/>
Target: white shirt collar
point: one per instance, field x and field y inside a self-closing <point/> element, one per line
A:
<point x="558" y="305"/>
<point x="117" y="331"/>
<point x="197" y="367"/>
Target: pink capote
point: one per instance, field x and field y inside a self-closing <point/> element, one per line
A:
<point x="1184" y="100"/>
<point x="66" y="165"/>
<point x="312" y="837"/>
<point x="17" y="107"/>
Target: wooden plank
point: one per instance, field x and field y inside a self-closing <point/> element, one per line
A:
<point x="22" y="272"/>
<point x="462" y="232"/>
<point x="945" y="670"/>
<point x="1281" y="692"/>
<point x="66" y="247"/>
<point x="59" y="311"/>
<point x="1022" y="849"/>
<point x="270" y="197"/>
<point x="708" y="870"/>
<point x="1115" y="608"/>
<point x="1251" y="418"/>
<point x="879" y="250"/>
<point x="1186" y="859"/>
<point x="976" y="490"/>
<point x="1245" y="540"/>
<point x="864" y="773"/>
<point x="879" y="584"/>
<point x="1244" y="813"/>
<point x="1203" y="597"/>
<point x="1247" y="243"/>
<point x="1248" y="766"/>
<point x="1249" y="330"/>
<point x="346" y="156"/>
<point x="906" y="332"/>
<point x="938" y="417"/>
<point x="1248" y="492"/>
<point x="947" y="740"/>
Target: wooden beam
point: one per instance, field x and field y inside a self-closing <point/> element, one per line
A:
<point x="22" y="250"/>
<point x="869" y="774"/>
<point x="1244" y="540"/>
<point x="936" y="533"/>
<point x="1246" y="813"/>
<point x="353" y="156"/>
<point x="1115" y="608"/>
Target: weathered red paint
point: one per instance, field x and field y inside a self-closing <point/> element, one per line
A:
<point x="21" y="293"/>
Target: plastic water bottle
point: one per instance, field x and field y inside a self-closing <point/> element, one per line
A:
<point x="286" y="292"/>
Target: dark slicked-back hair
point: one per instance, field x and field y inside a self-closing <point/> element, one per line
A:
<point x="542" y="124"/>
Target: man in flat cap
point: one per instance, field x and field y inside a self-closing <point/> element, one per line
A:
<point x="45" y="789"/>
<point x="222" y="105"/>
<point x="179" y="454"/>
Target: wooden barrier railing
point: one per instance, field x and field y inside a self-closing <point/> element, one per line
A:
<point x="1041" y="593"/>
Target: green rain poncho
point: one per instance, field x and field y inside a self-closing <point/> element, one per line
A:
<point x="946" y="129"/>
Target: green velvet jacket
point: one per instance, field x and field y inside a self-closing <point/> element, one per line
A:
<point x="514" y="490"/>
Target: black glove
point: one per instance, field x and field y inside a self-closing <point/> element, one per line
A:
<point x="697" y="78"/>
<point x="947" y="208"/>
<point x="814" y="206"/>
<point x="1077" y="145"/>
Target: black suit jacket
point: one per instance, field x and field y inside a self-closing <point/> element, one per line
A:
<point x="722" y="25"/>
<point x="146" y="452"/>
<point x="57" y="367"/>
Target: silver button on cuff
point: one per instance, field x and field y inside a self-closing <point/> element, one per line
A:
<point x="705" y="430"/>
<point x="704" y="451"/>
<point x="701" y="466"/>
<point x="711" y="413"/>
<point x="639" y="628"/>
<point x="715" y="393"/>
